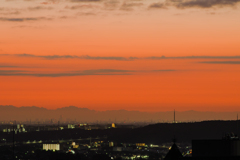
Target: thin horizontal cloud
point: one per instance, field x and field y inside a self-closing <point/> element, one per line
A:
<point x="106" y="71"/>
<point x="48" y="2"/>
<point x="7" y="66"/>
<point x="87" y="57"/>
<point x="85" y="0"/>
<point x="76" y="57"/>
<point x="23" y="19"/>
<point x="108" y="4"/>
<point x="166" y="70"/>
<point x="128" y="6"/>
<point x="80" y="6"/>
<point x="10" y="72"/>
<point x="85" y="14"/>
<point x="221" y="62"/>
<point x="10" y="66"/>
<point x="36" y="8"/>
<point x="203" y="3"/>
<point x="10" y="13"/>
<point x="111" y="4"/>
<point x="66" y="74"/>
<point x="194" y="57"/>
<point x="45" y="3"/>
<point x="158" y="6"/>
<point x="182" y="4"/>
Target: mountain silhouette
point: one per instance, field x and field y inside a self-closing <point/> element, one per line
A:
<point x="73" y="113"/>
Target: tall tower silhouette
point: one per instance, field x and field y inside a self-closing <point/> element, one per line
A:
<point x="174" y="117"/>
<point x="237" y="126"/>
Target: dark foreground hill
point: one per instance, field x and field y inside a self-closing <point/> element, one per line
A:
<point x="156" y="134"/>
<point x="184" y="132"/>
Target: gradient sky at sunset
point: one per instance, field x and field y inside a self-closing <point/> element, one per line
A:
<point x="146" y="55"/>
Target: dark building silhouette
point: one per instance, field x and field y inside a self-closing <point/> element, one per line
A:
<point x="174" y="153"/>
<point x="227" y="148"/>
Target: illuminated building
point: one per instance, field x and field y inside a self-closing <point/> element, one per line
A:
<point x="111" y="144"/>
<point x="74" y="145"/>
<point x="20" y="128"/>
<point x="140" y="144"/>
<point x="53" y="147"/>
<point x="119" y="149"/>
<point x="71" y="126"/>
<point x="113" y="125"/>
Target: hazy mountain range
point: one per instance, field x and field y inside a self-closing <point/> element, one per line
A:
<point x="73" y="113"/>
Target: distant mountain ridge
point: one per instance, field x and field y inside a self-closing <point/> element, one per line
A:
<point x="72" y="113"/>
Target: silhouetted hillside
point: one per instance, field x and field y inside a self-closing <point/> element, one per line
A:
<point x="158" y="133"/>
<point x="184" y="132"/>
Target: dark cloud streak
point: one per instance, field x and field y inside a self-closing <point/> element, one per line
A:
<point x="36" y="8"/>
<point x="66" y="74"/>
<point x="194" y="57"/>
<point x="7" y="66"/>
<point x="87" y="57"/>
<point x="129" y="6"/>
<point x="167" y="70"/>
<point x="204" y="3"/>
<point x="158" y="6"/>
<point x="221" y="62"/>
<point x="77" y="57"/>
<point x="183" y="4"/>
<point x="23" y="19"/>
<point x="85" y="0"/>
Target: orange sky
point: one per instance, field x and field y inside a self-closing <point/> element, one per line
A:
<point x="107" y="54"/>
